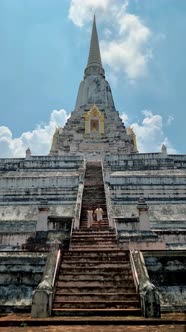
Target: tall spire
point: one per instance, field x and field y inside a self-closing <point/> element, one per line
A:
<point x="94" y="52"/>
<point x="94" y="59"/>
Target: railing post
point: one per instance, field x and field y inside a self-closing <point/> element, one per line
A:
<point x="43" y="295"/>
<point x="149" y="296"/>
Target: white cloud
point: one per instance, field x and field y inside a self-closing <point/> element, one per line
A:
<point x="107" y="33"/>
<point x="128" y="51"/>
<point x="170" y="119"/>
<point x="124" y="117"/>
<point x="38" y="140"/>
<point x="150" y="134"/>
<point x="81" y="14"/>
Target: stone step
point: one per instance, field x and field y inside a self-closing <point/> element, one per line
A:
<point x="93" y="185"/>
<point x="104" y="219"/>
<point x="92" y="203"/>
<point x="128" y="282"/>
<point x="91" y="269"/>
<point x="93" y="207"/>
<point x="97" y="250"/>
<point x="93" y="199"/>
<point x="90" y="190"/>
<point x="96" y="304"/>
<point x="92" y="290"/>
<point x="84" y="218"/>
<point x="92" y="244"/>
<point x="95" y="265"/>
<point x="94" y="260"/>
<point x="95" y="228"/>
<point x="84" y="222"/>
<point x="117" y="254"/>
<point x="97" y="312"/>
<point x="94" y="178"/>
<point x="102" y="223"/>
<point x="93" y="196"/>
<point x="93" y="248"/>
<point x="93" y="276"/>
<point x="89" y="242"/>
<point x="96" y="242"/>
<point x="91" y="266"/>
<point x="94" y="238"/>
<point x="93" y="232"/>
<point x="98" y="235"/>
<point x="118" y="250"/>
<point x="65" y="297"/>
<point x="84" y="214"/>
<point x="104" y="246"/>
<point x="90" y="193"/>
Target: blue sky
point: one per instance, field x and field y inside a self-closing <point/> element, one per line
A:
<point x="44" y="49"/>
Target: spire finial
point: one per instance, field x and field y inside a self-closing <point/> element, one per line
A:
<point x="94" y="59"/>
<point x="94" y="52"/>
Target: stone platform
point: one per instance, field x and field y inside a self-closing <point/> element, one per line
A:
<point x="23" y="322"/>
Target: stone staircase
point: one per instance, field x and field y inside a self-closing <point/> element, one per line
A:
<point x="95" y="275"/>
<point x="93" y="195"/>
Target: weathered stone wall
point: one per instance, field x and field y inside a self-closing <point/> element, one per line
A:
<point x="160" y="215"/>
<point x="48" y="163"/>
<point x="167" y="271"/>
<point x="20" y="273"/>
<point x="157" y="186"/>
<point x="24" y="188"/>
<point x="161" y="180"/>
<point x="145" y="161"/>
<point x="18" y="223"/>
<point x="25" y="184"/>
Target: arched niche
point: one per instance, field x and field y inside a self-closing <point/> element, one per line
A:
<point x="94" y="121"/>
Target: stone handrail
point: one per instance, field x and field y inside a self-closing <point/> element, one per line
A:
<point x="43" y="295"/>
<point x="134" y="272"/>
<point x="58" y="260"/>
<point x="71" y="230"/>
<point x="112" y="223"/>
<point x="77" y="214"/>
<point x="116" y="230"/>
<point x="149" y="296"/>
